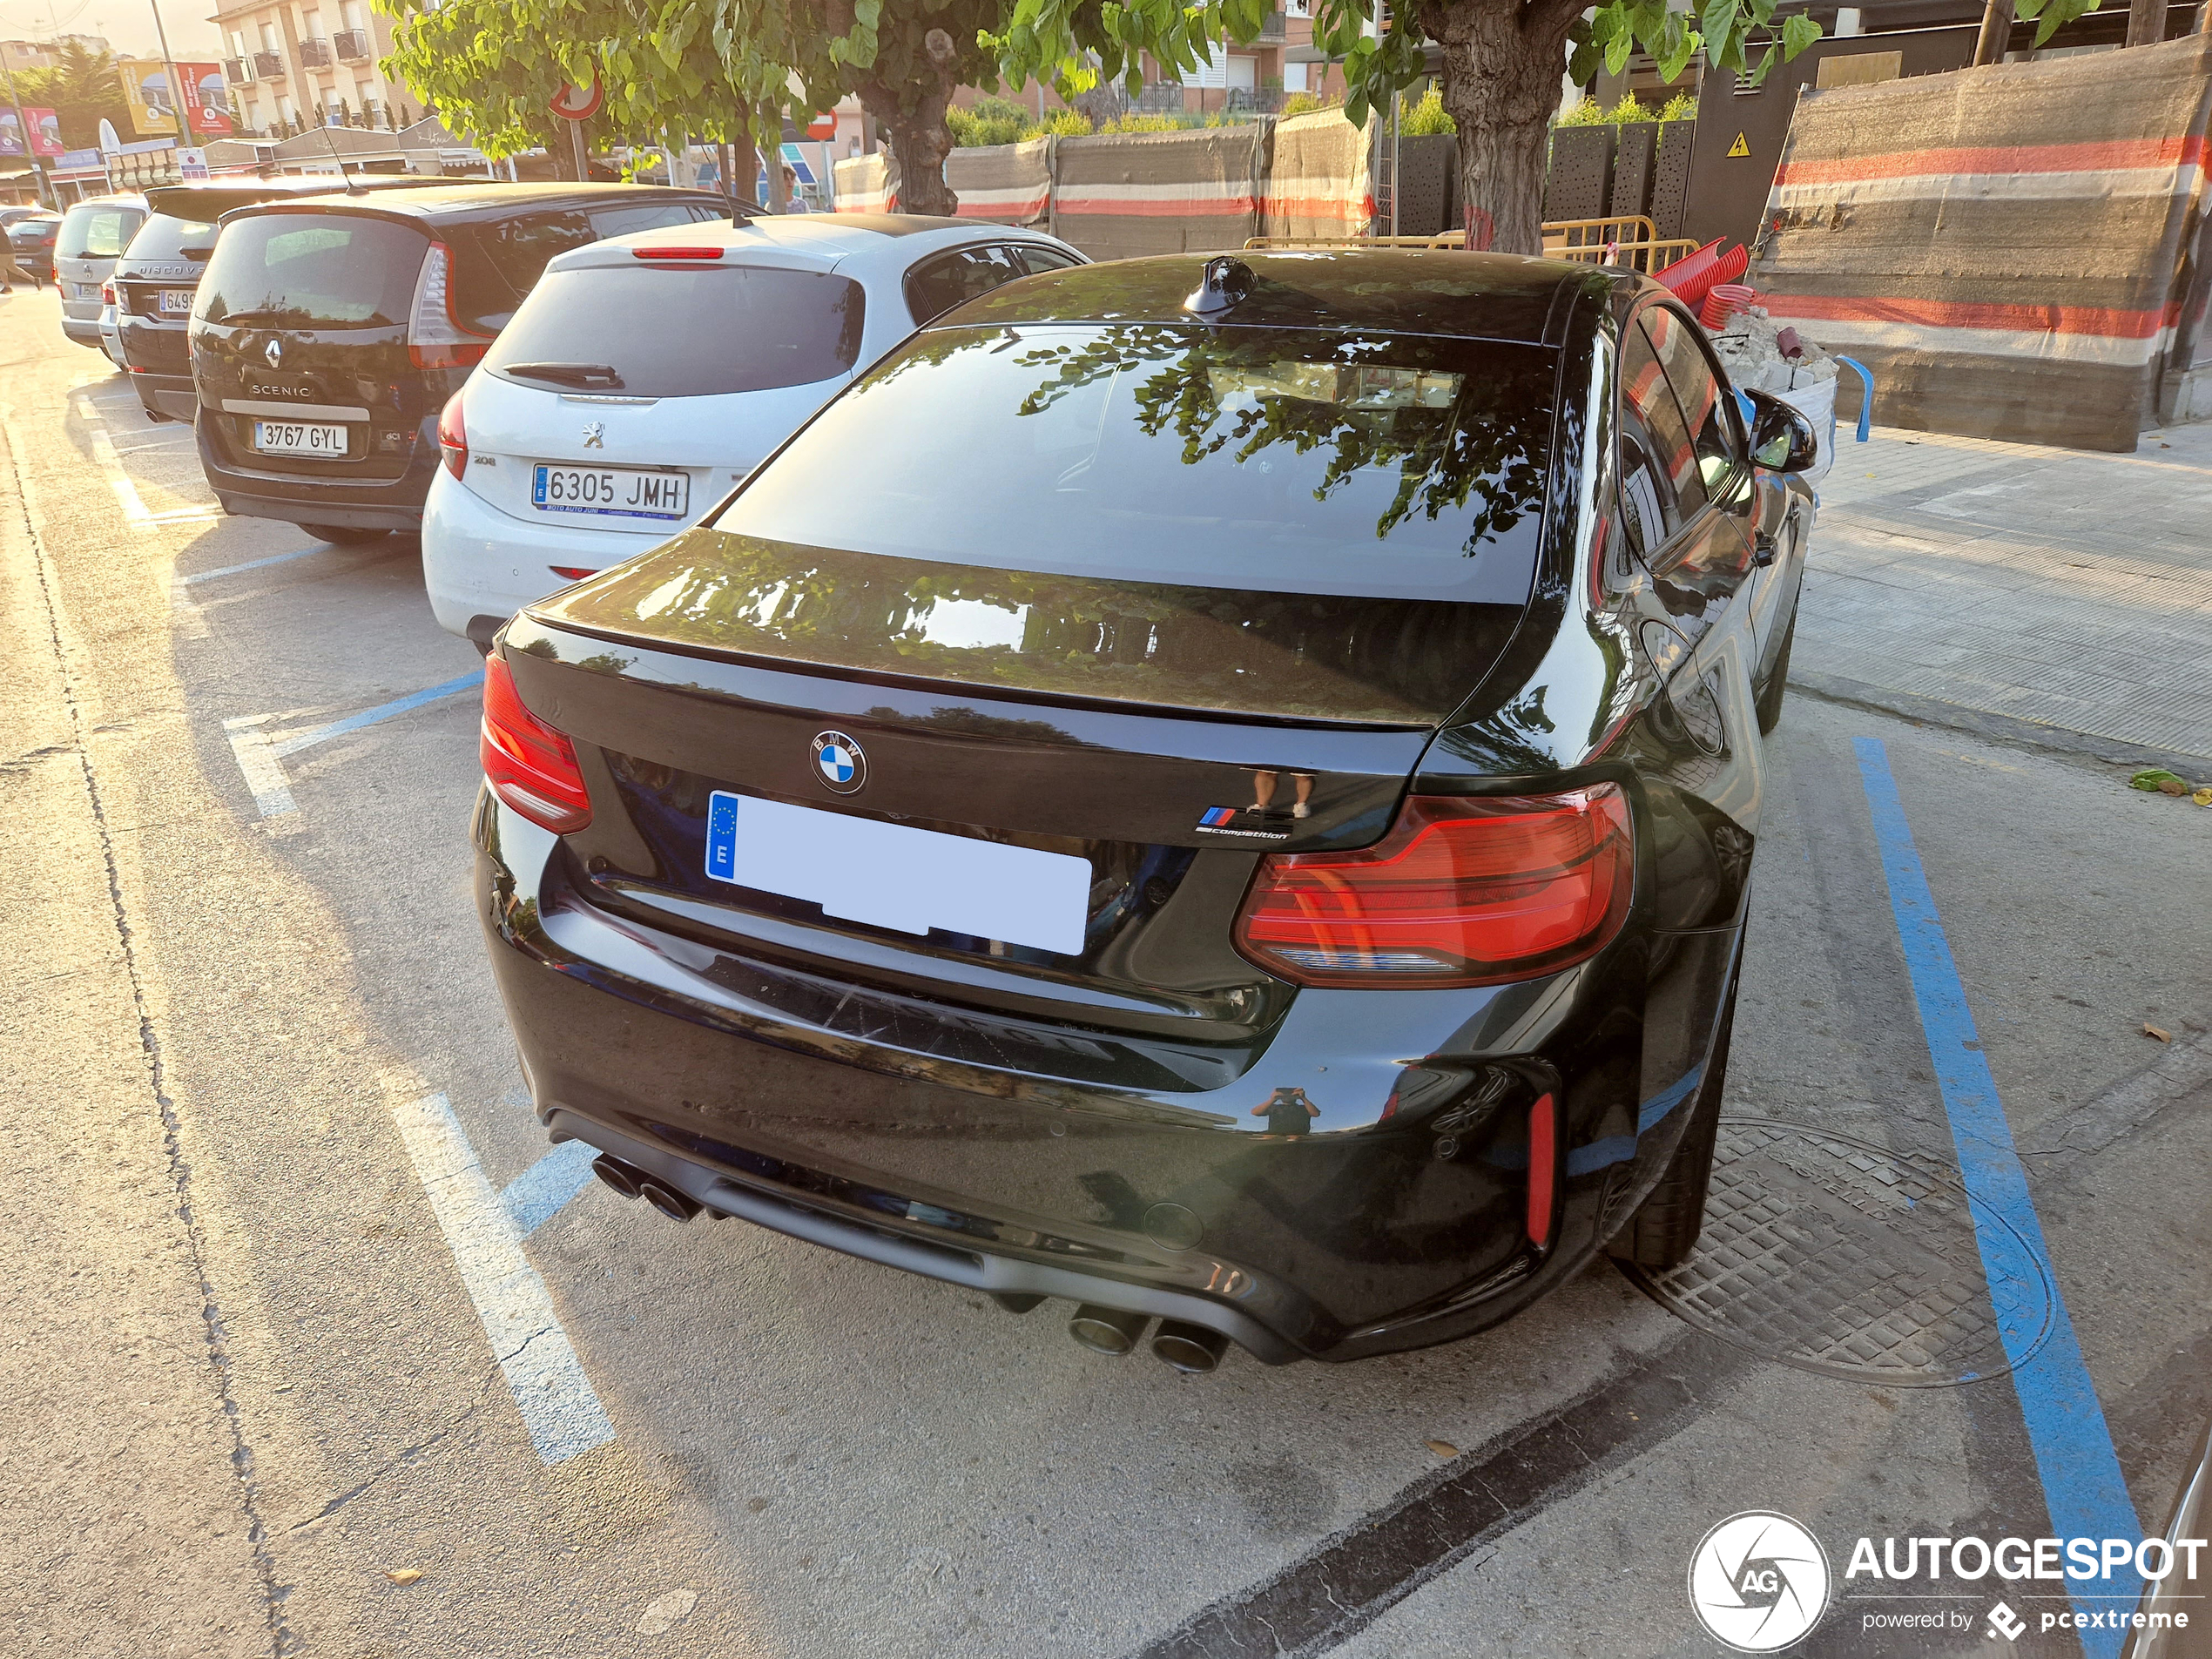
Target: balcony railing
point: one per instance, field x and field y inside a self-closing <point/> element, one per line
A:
<point x="268" y="67"/>
<point x="238" y="70"/>
<point x="351" y="44"/>
<point x="1272" y="28"/>
<point x="1267" y="100"/>
<point x="1158" y="97"/>
<point x="315" y="54"/>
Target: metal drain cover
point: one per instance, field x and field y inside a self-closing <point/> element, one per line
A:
<point x="1838" y="1257"/>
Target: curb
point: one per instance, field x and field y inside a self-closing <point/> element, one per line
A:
<point x="2003" y="728"/>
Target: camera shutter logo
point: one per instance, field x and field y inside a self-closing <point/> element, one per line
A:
<point x="1758" y="1581"/>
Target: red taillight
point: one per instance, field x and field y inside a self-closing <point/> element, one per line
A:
<point x="1461" y="891"/>
<point x="435" y="338"/>
<point x="529" y="766"/>
<point x="107" y="294"/>
<point x="453" y="437"/>
<point x="1543" y="1168"/>
<point x="571" y="572"/>
<point x="676" y="252"/>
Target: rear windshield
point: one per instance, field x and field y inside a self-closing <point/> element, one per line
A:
<point x="313" y="270"/>
<point x="500" y="262"/>
<point x="163" y="238"/>
<point x="95" y="231"/>
<point x="663" y="331"/>
<point x="1299" y="461"/>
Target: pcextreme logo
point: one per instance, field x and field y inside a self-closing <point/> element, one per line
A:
<point x="1758" y="1581"/>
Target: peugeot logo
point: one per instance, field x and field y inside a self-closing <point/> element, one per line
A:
<point x="840" y="763"/>
<point x="274" y="352"/>
<point x="595" y="434"/>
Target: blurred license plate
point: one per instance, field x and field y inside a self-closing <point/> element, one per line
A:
<point x="896" y="876"/>
<point x="299" y="438"/>
<point x="176" y="302"/>
<point x="619" y="492"/>
<point x="87" y="290"/>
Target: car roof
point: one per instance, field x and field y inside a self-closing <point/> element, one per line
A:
<point x="1475" y="296"/>
<point x="210" y="200"/>
<point x="127" y="198"/>
<point x="453" y="201"/>
<point x="821" y="241"/>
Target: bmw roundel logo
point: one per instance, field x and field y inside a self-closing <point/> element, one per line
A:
<point x="840" y="763"/>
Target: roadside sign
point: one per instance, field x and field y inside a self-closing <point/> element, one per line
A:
<point x="578" y="104"/>
<point x="192" y="164"/>
<point x="1741" y="147"/>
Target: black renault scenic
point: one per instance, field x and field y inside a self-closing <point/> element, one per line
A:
<point x="1222" y="791"/>
<point x="325" y="335"/>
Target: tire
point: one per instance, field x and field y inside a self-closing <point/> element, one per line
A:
<point x="342" y="535"/>
<point x="1769" y="706"/>
<point x="1664" y="1228"/>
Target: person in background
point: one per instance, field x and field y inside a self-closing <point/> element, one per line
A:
<point x="794" y="202"/>
<point x="10" y="272"/>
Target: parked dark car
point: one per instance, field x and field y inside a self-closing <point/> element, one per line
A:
<point x="1219" y="790"/>
<point x="325" y="335"/>
<point x="158" y="273"/>
<point x="31" y="240"/>
<point x="94" y="234"/>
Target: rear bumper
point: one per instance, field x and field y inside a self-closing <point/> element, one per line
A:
<point x="168" y="395"/>
<point x="479" y="563"/>
<point x="1335" y="1246"/>
<point x="301" y="498"/>
<point x="85" y="331"/>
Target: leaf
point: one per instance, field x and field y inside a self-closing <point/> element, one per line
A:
<point x="1616" y="52"/>
<point x="2150" y="1030"/>
<point x="1442" y="1448"/>
<point x="1717" y="18"/>
<point x="403" y="1574"/>
<point x="1679" y="53"/>
<point x="1798" y="31"/>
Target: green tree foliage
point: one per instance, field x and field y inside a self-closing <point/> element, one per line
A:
<point x="715" y="69"/>
<point x="82" y="91"/>
<point x="1502" y="65"/>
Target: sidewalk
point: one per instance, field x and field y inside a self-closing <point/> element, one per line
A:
<point x="2055" y="594"/>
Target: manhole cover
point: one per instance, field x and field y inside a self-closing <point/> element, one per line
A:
<point x="1830" y="1254"/>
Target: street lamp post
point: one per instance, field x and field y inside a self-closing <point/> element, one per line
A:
<point x="176" y="86"/>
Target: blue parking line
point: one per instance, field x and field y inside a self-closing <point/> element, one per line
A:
<point x="300" y="740"/>
<point x="256" y="564"/>
<point x="541" y="1192"/>
<point x="2082" y="1485"/>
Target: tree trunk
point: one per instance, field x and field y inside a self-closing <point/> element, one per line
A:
<point x="1996" y="37"/>
<point x="771" y="161"/>
<point x="1502" y="85"/>
<point x="919" y="138"/>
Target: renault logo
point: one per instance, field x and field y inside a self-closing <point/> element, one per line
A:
<point x="274" y="352"/>
<point x="840" y="763"/>
<point x="595" y="434"/>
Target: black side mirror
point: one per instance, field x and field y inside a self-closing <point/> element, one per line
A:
<point x="1782" y="438"/>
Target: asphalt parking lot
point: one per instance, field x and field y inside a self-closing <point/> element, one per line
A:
<point x="317" y="1348"/>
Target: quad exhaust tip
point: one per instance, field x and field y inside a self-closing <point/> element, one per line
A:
<point x="1192" y="1349"/>
<point x="1114" y="1331"/>
<point x="636" y="1184"/>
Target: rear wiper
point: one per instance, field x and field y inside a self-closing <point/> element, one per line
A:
<point x="261" y="313"/>
<point x="567" y="373"/>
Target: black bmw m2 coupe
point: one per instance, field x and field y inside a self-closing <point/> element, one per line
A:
<point x="1219" y="790"/>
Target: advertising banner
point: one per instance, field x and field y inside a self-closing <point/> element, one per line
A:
<point x="45" y="134"/>
<point x="153" y="111"/>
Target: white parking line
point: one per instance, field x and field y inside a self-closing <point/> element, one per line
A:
<point x="558" y="1403"/>
<point x="105" y="457"/>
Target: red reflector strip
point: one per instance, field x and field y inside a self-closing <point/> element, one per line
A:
<point x="676" y="252"/>
<point x="1543" y="1168"/>
<point x="571" y="572"/>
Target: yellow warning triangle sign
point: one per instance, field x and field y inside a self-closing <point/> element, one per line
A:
<point x="1739" y="148"/>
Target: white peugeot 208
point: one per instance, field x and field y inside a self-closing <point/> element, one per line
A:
<point x="646" y="374"/>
